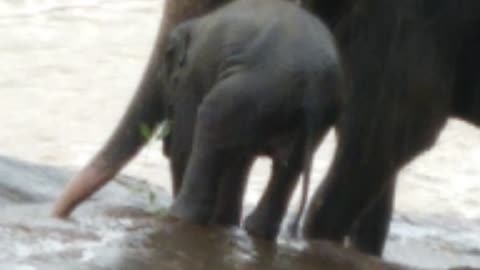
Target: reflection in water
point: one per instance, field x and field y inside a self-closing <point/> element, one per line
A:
<point x="176" y="245"/>
<point x="69" y="67"/>
<point x="113" y="231"/>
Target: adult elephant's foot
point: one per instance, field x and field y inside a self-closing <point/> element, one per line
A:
<point x="192" y="212"/>
<point x="320" y="226"/>
<point x="261" y="225"/>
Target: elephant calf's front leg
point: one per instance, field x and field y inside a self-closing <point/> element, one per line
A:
<point x="197" y="198"/>
<point x="220" y="132"/>
<point x="229" y="202"/>
<point x="229" y="127"/>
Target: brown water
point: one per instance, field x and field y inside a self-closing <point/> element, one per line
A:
<point x="69" y="67"/>
<point x="119" y="229"/>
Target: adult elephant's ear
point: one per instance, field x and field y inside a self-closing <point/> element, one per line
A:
<point x="330" y="11"/>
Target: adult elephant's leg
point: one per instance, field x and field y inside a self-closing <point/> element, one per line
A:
<point x="371" y="229"/>
<point x="393" y="112"/>
<point x="346" y="191"/>
<point x="146" y="109"/>
<point x="372" y="148"/>
<point x="229" y="204"/>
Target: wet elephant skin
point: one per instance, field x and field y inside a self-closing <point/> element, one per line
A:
<point x="242" y="83"/>
<point x="412" y="64"/>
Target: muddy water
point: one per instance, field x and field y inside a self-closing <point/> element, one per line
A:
<point x="118" y="229"/>
<point x="69" y="67"/>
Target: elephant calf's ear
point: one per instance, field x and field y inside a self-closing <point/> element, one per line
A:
<point x="177" y="47"/>
<point x="169" y="56"/>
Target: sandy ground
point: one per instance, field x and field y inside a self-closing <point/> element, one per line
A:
<point x="69" y="68"/>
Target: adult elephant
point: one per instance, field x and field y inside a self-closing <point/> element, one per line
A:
<point x="413" y="64"/>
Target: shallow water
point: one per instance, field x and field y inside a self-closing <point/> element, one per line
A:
<point x="69" y="67"/>
<point x="119" y="229"/>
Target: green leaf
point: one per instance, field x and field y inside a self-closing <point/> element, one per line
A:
<point x="145" y="131"/>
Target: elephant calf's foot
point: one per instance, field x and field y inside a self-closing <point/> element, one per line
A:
<point x="261" y="226"/>
<point x="195" y="213"/>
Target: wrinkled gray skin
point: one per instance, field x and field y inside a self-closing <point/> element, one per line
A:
<point x="149" y="108"/>
<point x="411" y="64"/>
<point x="242" y="82"/>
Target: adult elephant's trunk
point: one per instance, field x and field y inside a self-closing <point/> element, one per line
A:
<point x="146" y="109"/>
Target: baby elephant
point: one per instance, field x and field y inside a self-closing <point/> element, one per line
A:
<point x="252" y="78"/>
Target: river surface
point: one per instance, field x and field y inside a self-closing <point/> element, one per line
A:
<point x="68" y="68"/>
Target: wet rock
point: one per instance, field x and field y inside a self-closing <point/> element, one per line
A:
<point x="121" y="227"/>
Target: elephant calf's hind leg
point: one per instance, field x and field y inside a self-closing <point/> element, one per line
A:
<point x="223" y="129"/>
<point x="266" y="219"/>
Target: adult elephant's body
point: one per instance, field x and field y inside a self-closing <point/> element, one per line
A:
<point x="412" y="65"/>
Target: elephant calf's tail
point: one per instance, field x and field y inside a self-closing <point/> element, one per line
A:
<point x="316" y="128"/>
